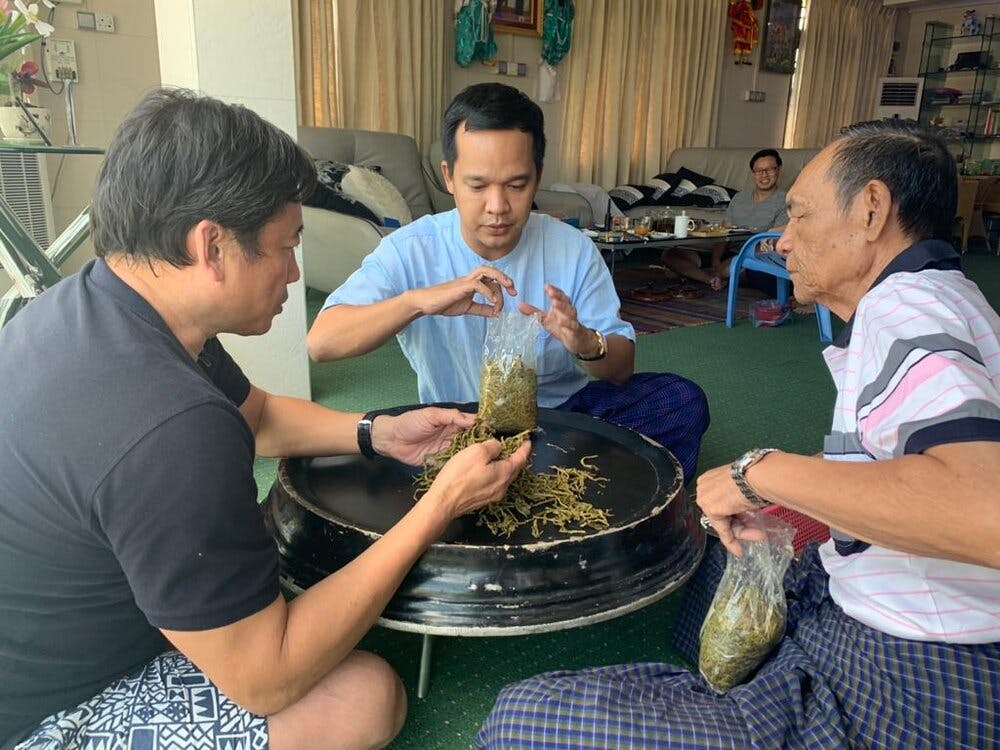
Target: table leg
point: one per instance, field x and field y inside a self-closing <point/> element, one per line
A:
<point x="425" y="666"/>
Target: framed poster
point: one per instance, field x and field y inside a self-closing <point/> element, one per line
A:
<point x="518" y="17"/>
<point x="781" y="36"/>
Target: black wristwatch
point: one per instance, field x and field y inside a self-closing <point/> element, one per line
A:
<point x="365" y="435"/>
<point x="738" y="471"/>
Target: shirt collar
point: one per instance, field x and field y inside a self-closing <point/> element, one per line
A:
<point x="924" y="255"/>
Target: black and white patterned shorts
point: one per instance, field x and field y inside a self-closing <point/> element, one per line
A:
<point x="169" y="704"/>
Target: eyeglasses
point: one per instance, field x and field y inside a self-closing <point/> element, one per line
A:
<point x="765" y="170"/>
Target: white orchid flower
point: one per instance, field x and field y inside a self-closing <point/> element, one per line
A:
<point x="30" y="12"/>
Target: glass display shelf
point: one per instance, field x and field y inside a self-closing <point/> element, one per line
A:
<point x="28" y="147"/>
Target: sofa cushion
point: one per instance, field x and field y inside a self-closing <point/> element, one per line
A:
<point x="378" y="194"/>
<point x="630" y="196"/>
<point x="329" y="195"/>
<point x="713" y="195"/>
<point x="395" y="154"/>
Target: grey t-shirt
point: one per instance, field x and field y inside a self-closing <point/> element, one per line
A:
<point x="761" y="215"/>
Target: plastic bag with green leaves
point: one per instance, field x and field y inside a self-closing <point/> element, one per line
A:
<point x="746" y="618"/>
<point x="508" y="381"/>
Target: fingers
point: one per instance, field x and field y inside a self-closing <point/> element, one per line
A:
<point x="519" y="458"/>
<point x="492" y="292"/>
<point x="527" y="309"/>
<point x="488" y="274"/>
<point x="723" y="526"/>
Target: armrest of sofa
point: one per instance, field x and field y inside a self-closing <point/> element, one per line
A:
<point x="333" y="246"/>
<point x="565" y="206"/>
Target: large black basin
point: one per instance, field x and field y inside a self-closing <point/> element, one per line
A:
<point x="323" y="512"/>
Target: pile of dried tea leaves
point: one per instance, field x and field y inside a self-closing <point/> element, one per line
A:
<point x="508" y="395"/>
<point x="536" y="499"/>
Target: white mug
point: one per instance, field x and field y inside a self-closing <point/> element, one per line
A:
<point x="682" y="225"/>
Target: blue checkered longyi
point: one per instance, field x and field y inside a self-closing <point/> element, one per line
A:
<point x="670" y="409"/>
<point x="833" y="683"/>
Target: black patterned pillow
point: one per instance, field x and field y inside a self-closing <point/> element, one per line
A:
<point x="713" y="195"/>
<point x="328" y="193"/>
<point x="687" y="181"/>
<point x="630" y="196"/>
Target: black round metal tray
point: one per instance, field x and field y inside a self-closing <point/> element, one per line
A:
<point x="324" y="512"/>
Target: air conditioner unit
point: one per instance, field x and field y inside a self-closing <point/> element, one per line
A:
<point x="898" y="97"/>
<point x="24" y="185"/>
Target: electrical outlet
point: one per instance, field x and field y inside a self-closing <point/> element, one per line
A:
<point x="105" y="22"/>
<point x="60" y="59"/>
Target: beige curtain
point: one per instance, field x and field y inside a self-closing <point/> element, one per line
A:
<point x="642" y="78"/>
<point x="372" y="64"/>
<point x="845" y="49"/>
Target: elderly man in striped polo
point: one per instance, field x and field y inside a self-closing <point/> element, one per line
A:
<point x="893" y="635"/>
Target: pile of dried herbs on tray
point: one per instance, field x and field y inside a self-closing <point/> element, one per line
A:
<point x="533" y="499"/>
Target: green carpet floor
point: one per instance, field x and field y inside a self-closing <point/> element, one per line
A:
<point x="766" y="387"/>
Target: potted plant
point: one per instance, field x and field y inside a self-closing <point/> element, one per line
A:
<point x="20" y="25"/>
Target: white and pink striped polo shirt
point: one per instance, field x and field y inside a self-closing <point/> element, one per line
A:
<point x="917" y="366"/>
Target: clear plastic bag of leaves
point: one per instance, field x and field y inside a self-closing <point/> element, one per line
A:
<point x="746" y="618"/>
<point x="508" y="382"/>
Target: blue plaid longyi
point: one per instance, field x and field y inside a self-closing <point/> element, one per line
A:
<point x="670" y="409"/>
<point x="833" y="683"/>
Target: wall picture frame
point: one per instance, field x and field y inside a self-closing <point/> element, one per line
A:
<point x="781" y="36"/>
<point x="518" y="17"/>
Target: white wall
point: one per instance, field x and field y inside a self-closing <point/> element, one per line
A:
<point x="241" y="52"/>
<point x="115" y="71"/>
<point x="513" y="48"/>
<point x="745" y="124"/>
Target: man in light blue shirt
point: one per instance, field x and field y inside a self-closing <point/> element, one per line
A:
<point x="434" y="282"/>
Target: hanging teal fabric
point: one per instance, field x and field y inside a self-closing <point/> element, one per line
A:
<point x="557" y="30"/>
<point x="474" y="32"/>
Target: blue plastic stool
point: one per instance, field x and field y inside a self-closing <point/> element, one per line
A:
<point x="774" y="265"/>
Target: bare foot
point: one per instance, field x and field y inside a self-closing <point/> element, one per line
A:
<point x="667" y="272"/>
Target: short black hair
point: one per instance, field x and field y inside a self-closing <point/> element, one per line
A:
<point x="765" y="152"/>
<point x="914" y="164"/>
<point x="493" y="106"/>
<point x="179" y="158"/>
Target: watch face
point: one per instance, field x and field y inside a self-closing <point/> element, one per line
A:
<point x="744" y="461"/>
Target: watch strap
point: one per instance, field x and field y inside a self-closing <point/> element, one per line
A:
<point x="365" y="435"/>
<point x="738" y="469"/>
<point x="602" y="349"/>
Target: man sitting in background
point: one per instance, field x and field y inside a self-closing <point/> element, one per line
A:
<point x="760" y="209"/>
<point x="893" y="634"/>
<point x="434" y="282"/>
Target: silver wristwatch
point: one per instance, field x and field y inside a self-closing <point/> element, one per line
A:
<point x="738" y="471"/>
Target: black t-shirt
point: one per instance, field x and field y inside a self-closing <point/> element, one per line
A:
<point x="127" y="498"/>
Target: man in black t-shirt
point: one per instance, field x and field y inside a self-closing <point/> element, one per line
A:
<point x="139" y="602"/>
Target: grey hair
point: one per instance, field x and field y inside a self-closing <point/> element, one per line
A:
<point x="179" y="158"/>
<point x="914" y="164"/>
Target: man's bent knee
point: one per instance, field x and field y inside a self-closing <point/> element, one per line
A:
<point x="360" y="704"/>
